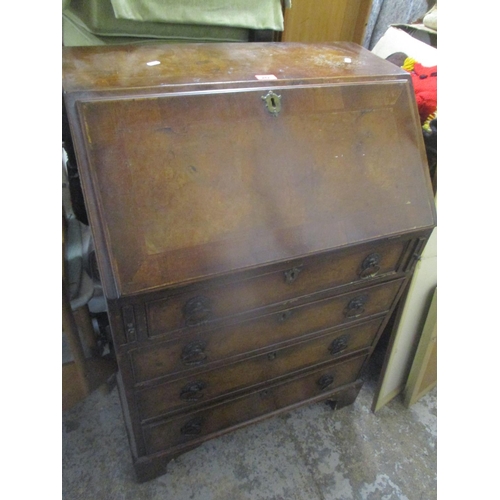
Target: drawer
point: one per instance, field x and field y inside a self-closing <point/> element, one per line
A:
<point x="191" y="391"/>
<point x="191" y="351"/>
<point x="206" y="422"/>
<point x="300" y="278"/>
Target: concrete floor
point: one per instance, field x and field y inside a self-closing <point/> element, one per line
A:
<point x="310" y="453"/>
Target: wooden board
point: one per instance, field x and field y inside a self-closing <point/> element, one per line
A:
<point x="423" y="373"/>
<point x="326" y="21"/>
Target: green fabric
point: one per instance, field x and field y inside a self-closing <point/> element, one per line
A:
<point x="97" y="17"/>
<point x="251" y="14"/>
<point x="76" y="35"/>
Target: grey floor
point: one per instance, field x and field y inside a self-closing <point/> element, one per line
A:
<point x="311" y="453"/>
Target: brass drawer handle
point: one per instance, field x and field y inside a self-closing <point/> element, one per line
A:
<point x="292" y="274"/>
<point x="194" y="353"/>
<point x="193" y="392"/>
<point x="325" y="381"/>
<point x="356" y="307"/>
<point x="197" y="311"/>
<point x="370" y="266"/>
<point x="192" y="427"/>
<point x="338" y="345"/>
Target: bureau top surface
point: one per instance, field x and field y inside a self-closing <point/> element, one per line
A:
<point x="186" y="183"/>
<point x="163" y="65"/>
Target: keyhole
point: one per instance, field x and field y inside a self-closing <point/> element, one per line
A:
<point x="271" y="356"/>
<point x="291" y="274"/>
<point x="273" y="102"/>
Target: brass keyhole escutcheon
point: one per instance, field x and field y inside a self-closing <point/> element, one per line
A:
<point x="292" y="274"/>
<point x="273" y="102"/>
<point x="272" y="356"/>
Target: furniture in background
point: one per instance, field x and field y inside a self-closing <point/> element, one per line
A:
<point x="326" y="21"/>
<point x="257" y="212"/>
<point x="100" y="22"/>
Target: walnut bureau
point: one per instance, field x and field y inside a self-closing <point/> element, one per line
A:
<point x="257" y="211"/>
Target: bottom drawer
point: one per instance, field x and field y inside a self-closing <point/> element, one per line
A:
<point x="202" y="424"/>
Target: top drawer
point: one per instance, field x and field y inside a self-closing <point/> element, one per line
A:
<point x="301" y="277"/>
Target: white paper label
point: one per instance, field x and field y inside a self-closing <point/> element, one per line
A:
<point x="265" y="77"/>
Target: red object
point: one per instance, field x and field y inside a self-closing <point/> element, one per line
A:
<point x="425" y="84"/>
